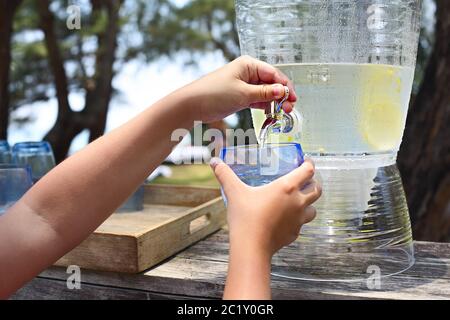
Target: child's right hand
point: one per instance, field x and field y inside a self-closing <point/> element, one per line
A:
<point x="264" y="219"/>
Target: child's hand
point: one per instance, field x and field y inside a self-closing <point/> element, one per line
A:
<point x="261" y="221"/>
<point x="244" y="82"/>
<point x="269" y="217"/>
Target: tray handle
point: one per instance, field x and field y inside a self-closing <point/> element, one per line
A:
<point x="204" y="219"/>
<point x="199" y="223"/>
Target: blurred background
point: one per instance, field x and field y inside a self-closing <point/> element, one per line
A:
<point x="70" y="86"/>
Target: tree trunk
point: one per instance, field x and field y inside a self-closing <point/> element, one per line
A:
<point x="98" y="94"/>
<point x="424" y="157"/>
<point x="66" y="127"/>
<point x="97" y="100"/>
<point x="7" y="10"/>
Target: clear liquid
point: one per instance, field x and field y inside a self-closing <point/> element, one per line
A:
<point x="352" y="118"/>
<point x="362" y="221"/>
<point x="251" y="175"/>
<point x="347" y="108"/>
<point x="263" y="136"/>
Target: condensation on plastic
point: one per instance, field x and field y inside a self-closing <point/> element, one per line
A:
<point x="362" y="217"/>
<point x="325" y="31"/>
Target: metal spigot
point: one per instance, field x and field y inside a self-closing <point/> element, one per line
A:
<point x="277" y="121"/>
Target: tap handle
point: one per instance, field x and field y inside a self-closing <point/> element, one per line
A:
<point x="280" y="104"/>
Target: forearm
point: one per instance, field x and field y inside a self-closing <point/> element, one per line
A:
<point x="86" y="188"/>
<point x="72" y="200"/>
<point x="248" y="274"/>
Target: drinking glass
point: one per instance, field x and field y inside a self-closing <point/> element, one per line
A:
<point x="38" y="155"/>
<point x="5" y="152"/>
<point x="257" y="166"/>
<point x="15" y="180"/>
<point x="135" y="202"/>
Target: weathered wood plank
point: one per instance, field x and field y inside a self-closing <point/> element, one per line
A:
<point x="50" y="289"/>
<point x="173" y="286"/>
<point x="43" y="289"/>
<point x="179" y="195"/>
<point x="200" y="271"/>
<point x="173" y="218"/>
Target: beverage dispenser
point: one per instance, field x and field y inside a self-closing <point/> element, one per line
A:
<point x="352" y="64"/>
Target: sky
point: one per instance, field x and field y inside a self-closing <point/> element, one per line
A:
<point x="140" y="85"/>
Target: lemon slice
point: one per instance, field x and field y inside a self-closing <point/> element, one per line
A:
<point x="382" y="125"/>
<point x="381" y="118"/>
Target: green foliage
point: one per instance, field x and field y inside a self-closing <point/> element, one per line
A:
<point x="198" y="27"/>
<point x="189" y="175"/>
<point x="149" y="31"/>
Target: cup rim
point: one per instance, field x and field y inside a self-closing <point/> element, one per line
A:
<point x="256" y="146"/>
<point x="294" y="146"/>
<point x="11" y="166"/>
<point x="31" y="146"/>
<point x="4" y="146"/>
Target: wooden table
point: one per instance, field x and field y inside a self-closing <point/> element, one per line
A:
<point x="199" y="273"/>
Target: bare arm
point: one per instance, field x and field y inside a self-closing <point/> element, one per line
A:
<point x="79" y="194"/>
<point x="72" y="200"/>
<point x="261" y="221"/>
<point x="248" y="272"/>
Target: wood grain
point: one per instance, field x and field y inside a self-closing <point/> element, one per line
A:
<point x="200" y="272"/>
<point x="173" y="218"/>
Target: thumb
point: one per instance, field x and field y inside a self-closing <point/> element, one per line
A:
<point x="265" y="92"/>
<point x="226" y="177"/>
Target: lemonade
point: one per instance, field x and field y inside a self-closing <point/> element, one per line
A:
<point x="347" y="108"/>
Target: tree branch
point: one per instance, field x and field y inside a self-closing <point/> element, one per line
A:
<point x="79" y="57"/>
<point x="56" y="61"/>
<point x="98" y="99"/>
<point x="219" y="44"/>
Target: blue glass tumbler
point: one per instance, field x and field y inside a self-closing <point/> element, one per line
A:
<point x="38" y="155"/>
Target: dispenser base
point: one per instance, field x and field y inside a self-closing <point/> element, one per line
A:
<point x="362" y="228"/>
<point x="342" y="267"/>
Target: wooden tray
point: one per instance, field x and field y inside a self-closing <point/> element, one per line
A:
<point x="173" y="218"/>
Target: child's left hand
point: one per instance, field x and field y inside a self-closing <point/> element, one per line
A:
<point x="244" y="82"/>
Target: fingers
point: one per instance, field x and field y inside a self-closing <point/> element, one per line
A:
<point x="258" y="72"/>
<point x="264" y="92"/>
<point x="269" y="74"/>
<point x="261" y="105"/>
<point x="226" y="177"/>
<point x="261" y="95"/>
<point x="287" y="106"/>
<point x="311" y="192"/>
<point x="298" y="178"/>
<point x="308" y="215"/>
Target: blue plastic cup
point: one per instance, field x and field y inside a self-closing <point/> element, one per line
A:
<point x="5" y="152"/>
<point x="257" y="166"/>
<point x="15" y="180"/>
<point x="135" y="202"/>
<point x="38" y="155"/>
